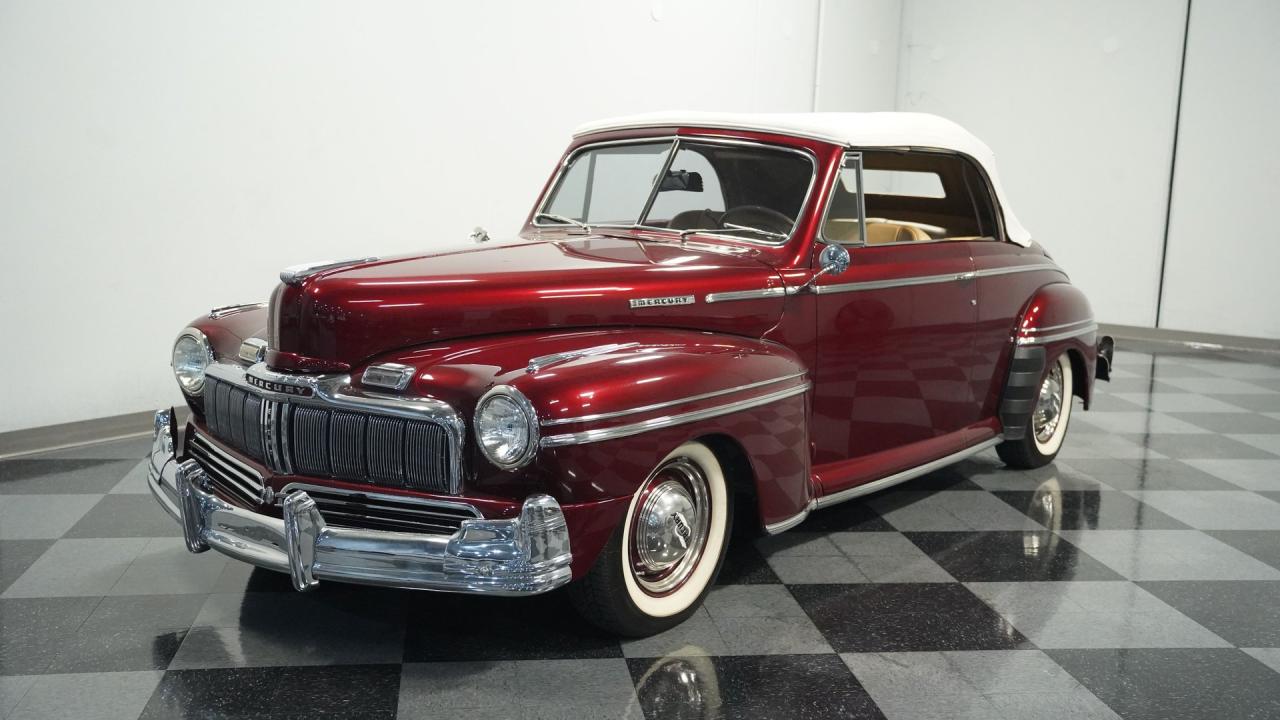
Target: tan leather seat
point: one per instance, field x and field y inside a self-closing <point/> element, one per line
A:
<point x="879" y="232"/>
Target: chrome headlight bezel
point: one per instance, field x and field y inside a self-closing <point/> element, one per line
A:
<point x="529" y="436"/>
<point x="192" y="384"/>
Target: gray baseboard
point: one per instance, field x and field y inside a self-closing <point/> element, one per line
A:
<point x="76" y="434"/>
<point x="1198" y="340"/>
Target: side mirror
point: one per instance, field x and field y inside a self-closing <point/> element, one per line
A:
<point x="834" y="259"/>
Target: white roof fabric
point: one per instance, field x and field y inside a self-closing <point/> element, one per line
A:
<point x="863" y="130"/>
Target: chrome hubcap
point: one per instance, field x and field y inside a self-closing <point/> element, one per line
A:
<point x="1049" y="406"/>
<point x="670" y="528"/>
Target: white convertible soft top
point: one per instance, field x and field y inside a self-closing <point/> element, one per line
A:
<point x="862" y="130"/>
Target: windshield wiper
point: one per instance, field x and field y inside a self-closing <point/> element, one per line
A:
<point x="733" y="227"/>
<point x="563" y="219"/>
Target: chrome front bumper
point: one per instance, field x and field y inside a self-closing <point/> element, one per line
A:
<point x="525" y="555"/>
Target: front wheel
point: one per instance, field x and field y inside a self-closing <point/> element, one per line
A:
<point x="1047" y="426"/>
<point x="666" y="553"/>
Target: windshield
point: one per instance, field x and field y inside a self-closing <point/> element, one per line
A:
<point x="748" y="191"/>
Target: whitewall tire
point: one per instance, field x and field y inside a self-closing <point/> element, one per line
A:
<point x="665" y="554"/>
<point x="1047" y="426"/>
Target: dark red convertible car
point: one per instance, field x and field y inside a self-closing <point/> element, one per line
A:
<point x="707" y="319"/>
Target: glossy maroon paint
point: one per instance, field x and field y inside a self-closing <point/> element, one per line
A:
<point x="901" y="375"/>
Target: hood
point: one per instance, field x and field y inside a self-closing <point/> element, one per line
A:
<point x="350" y="314"/>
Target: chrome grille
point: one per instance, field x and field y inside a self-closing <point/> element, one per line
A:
<point x="230" y="476"/>
<point x="375" y="511"/>
<point x="295" y="438"/>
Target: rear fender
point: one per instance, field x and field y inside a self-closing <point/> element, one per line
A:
<point x="1057" y="319"/>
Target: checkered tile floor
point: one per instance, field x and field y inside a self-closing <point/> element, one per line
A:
<point x="1137" y="577"/>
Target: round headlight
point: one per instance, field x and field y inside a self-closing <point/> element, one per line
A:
<point x="191" y="356"/>
<point x="506" y="427"/>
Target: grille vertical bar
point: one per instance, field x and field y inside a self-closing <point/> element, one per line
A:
<point x="386" y="449"/>
<point x="310" y="431"/>
<point x="346" y="444"/>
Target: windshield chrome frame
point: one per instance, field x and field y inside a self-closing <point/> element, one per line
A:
<point x="675" y="141"/>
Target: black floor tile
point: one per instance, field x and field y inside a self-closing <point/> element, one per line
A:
<point x="451" y="627"/>
<point x="346" y="691"/>
<point x="1150" y="475"/>
<point x="25" y="476"/>
<point x="1190" y="446"/>
<point x="18" y="555"/>
<point x="1087" y="510"/>
<point x="744" y="565"/>
<point x="33" y="630"/>
<point x="803" y="687"/>
<point x="1261" y="544"/>
<point x="905" y="617"/>
<point x="1009" y="556"/>
<point x="1244" y="613"/>
<point x="1177" y="684"/>
<point x="125" y="516"/>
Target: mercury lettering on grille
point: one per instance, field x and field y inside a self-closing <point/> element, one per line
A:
<point x="661" y="301"/>
<point x="291" y="438"/>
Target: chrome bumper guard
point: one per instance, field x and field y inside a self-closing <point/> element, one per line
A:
<point x="525" y="555"/>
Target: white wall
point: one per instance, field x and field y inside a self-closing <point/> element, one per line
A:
<point x="1224" y="251"/>
<point x="1077" y="100"/>
<point x="857" y="66"/>
<point x="159" y="158"/>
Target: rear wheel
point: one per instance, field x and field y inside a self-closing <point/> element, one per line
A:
<point x="664" y="556"/>
<point x="1047" y="426"/>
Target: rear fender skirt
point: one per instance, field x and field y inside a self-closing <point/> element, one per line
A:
<point x="1021" y="389"/>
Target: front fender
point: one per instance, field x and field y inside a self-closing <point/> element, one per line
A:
<point x="612" y="403"/>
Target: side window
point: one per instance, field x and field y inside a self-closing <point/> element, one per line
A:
<point x="692" y="184"/>
<point x="609" y="184"/>
<point x="912" y="197"/>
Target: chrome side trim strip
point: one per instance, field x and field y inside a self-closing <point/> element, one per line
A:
<point x="1042" y="339"/>
<point x="883" y="284"/>
<point x="1063" y="326"/>
<point x="930" y="279"/>
<point x="621" y="431"/>
<point x="905" y="475"/>
<point x="794" y="520"/>
<point x="668" y="403"/>
<point x="745" y="294"/>
<point x="990" y="272"/>
<point x="542" y="361"/>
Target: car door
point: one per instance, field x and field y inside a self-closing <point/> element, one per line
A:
<point x="894" y="336"/>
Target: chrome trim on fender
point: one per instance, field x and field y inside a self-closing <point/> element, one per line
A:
<point x="543" y="361"/>
<point x="905" y="475"/>
<point x="746" y="294"/>
<point x="1062" y="326"/>
<point x="991" y="272"/>
<point x="1042" y="339"/>
<point x="225" y="310"/>
<point x="296" y="274"/>
<point x="794" y="520"/>
<point x="621" y="431"/>
<point x="668" y="403"/>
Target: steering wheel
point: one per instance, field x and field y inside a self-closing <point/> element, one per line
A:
<point x="758" y="216"/>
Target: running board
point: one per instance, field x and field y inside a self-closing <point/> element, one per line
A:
<point x="881" y="484"/>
